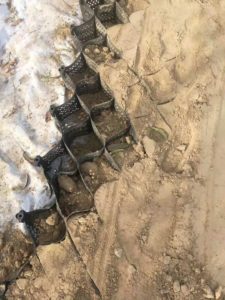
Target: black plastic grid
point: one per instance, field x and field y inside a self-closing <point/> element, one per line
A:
<point x="111" y="124"/>
<point x="71" y="118"/>
<point x="92" y="96"/>
<point x="41" y="232"/>
<point x="82" y="123"/>
<point x="90" y="32"/>
<point x="76" y="72"/>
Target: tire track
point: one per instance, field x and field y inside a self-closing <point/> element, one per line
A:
<point x="106" y="236"/>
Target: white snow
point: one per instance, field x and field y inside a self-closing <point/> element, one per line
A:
<point x="35" y="41"/>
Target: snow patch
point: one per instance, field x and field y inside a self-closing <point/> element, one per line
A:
<point x="36" y="39"/>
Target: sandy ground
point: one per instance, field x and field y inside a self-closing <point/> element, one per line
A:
<point x="159" y="231"/>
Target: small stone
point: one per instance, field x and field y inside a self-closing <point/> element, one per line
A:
<point x="208" y="292"/>
<point x="176" y="286"/>
<point x="87" y="51"/>
<point x="128" y="140"/>
<point x="3" y="274"/>
<point x="164" y="291"/>
<point x="118" y="252"/>
<point x="88" y="180"/>
<point x="149" y="146"/>
<point x="105" y="49"/>
<point x="166" y="260"/>
<point x="190" y="257"/>
<point x="181" y="148"/>
<point x="2" y="289"/>
<point x="202" y="281"/>
<point x="197" y="271"/>
<point x="185" y="290"/>
<point x="28" y="273"/>
<point x="1" y="241"/>
<point x="17" y="264"/>
<point x="38" y="283"/>
<point x="68" y="297"/>
<point x="97" y="51"/>
<point x="89" y="168"/>
<point x="52" y="220"/>
<point x="218" y="292"/>
<point x="67" y="184"/>
<point x="139" y="149"/>
<point x="169" y="278"/>
<point x="22" y="283"/>
<point x="81" y="220"/>
<point x="144" y="238"/>
<point x="112" y="54"/>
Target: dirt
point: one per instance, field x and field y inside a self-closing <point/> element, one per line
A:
<point x="85" y="145"/>
<point x="158" y="232"/>
<point x="84" y="74"/>
<point x="99" y="54"/>
<point x="16" y="249"/>
<point x="111" y="123"/>
<point x="77" y="200"/>
<point x="91" y="99"/>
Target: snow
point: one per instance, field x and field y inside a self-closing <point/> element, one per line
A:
<point x="35" y="42"/>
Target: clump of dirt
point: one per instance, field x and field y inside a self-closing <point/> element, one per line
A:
<point x="99" y="54"/>
<point x="181" y="278"/>
<point x="15" y="251"/>
<point x="85" y="74"/>
<point x="85" y="145"/>
<point x="74" y="196"/>
<point x="97" y="172"/>
<point x="58" y="273"/>
<point x="111" y="123"/>
<point x="91" y="99"/>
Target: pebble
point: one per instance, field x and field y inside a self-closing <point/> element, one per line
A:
<point x="22" y="283"/>
<point x="89" y="168"/>
<point x="28" y="273"/>
<point x="128" y="140"/>
<point x="218" y="292"/>
<point x="112" y="54"/>
<point x="166" y="260"/>
<point x="97" y="51"/>
<point x="52" y="220"/>
<point x="87" y="51"/>
<point x="149" y="146"/>
<point x="185" y="290"/>
<point x="182" y="148"/>
<point x="2" y="289"/>
<point x="208" y="292"/>
<point x="144" y="238"/>
<point x="67" y="184"/>
<point x="1" y="241"/>
<point x="105" y="49"/>
<point x="82" y="220"/>
<point x="38" y="283"/>
<point x="3" y="274"/>
<point x="176" y="286"/>
<point x="17" y="264"/>
<point x="68" y="297"/>
<point x="139" y="149"/>
<point x="169" y="278"/>
<point x="118" y="252"/>
<point x="88" y="180"/>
